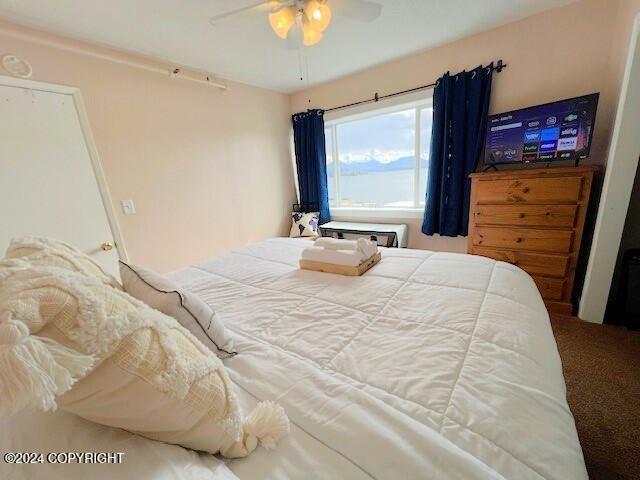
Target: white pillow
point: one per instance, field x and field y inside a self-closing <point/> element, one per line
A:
<point x="69" y="340"/>
<point x="192" y="313"/>
<point x="304" y="224"/>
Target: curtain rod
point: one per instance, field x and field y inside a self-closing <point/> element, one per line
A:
<point x="500" y="65"/>
<point x="172" y="72"/>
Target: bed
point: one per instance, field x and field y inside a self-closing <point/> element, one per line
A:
<point x="431" y="365"/>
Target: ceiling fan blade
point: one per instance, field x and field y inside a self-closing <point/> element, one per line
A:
<point x="361" y="10"/>
<point x="261" y="6"/>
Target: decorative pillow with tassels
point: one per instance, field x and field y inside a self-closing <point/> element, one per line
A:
<point x="48" y="252"/>
<point x="72" y="341"/>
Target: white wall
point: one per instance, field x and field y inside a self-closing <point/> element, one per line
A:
<point x="208" y="171"/>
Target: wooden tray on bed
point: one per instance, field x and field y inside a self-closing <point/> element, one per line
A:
<point x="341" y="269"/>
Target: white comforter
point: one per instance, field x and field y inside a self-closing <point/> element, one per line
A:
<point x="431" y="365"/>
<point x="64" y="433"/>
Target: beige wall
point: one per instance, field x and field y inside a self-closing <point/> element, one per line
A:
<point x="208" y="171"/>
<point x="625" y="16"/>
<point x="564" y="52"/>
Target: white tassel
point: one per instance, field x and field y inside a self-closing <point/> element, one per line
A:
<point x="71" y="365"/>
<point x="265" y="425"/>
<point x="34" y="370"/>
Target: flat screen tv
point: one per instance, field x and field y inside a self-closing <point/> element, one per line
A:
<point x="544" y="133"/>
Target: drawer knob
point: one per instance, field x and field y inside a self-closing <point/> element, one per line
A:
<point x="519" y="240"/>
<point x="525" y="190"/>
<point x="521" y="215"/>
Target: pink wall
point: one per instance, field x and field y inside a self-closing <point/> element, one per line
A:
<point x="208" y="171"/>
<point x="564" y="52"/>
<point x="625" y="17"/>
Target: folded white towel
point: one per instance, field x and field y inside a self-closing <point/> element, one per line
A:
<point x="351" y="258"/>
<point x="366" y="247"/>
<point x="336" y="244"/>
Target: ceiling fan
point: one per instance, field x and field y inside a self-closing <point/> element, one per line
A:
<point x="302" y="22"/>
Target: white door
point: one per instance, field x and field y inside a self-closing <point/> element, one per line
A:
<point x="48" y="185"/>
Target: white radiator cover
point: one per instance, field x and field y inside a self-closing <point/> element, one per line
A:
<point x="382" y="231"/>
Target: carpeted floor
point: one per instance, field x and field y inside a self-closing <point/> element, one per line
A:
<point x="602" y="370"/>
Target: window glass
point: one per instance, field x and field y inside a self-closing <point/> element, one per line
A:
<point x="377" y="160"/>
<point x="380" y="158"/>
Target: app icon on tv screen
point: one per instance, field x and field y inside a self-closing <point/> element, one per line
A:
<point x="553" y="131"/>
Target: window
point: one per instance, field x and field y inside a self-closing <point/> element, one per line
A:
<point x="377" y="159"/>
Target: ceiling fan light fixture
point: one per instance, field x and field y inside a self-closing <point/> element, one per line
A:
<point x="318" y="15"/>
<point x="282" y="20"/>
<point x="311" y="35"/>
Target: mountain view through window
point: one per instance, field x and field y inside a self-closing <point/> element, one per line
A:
<point x="379" y="160"/>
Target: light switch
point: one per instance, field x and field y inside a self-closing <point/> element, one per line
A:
<point x="128" y="207"/>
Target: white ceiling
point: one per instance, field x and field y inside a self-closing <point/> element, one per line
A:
<point x="246" y="50"/>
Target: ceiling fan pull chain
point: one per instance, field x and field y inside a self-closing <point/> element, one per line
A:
<point x="306" y="63"/>
<point x="300" y="65"/>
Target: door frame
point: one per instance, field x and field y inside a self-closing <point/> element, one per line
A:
<point x="96" y="163"/>
<point x="617" y="187"/>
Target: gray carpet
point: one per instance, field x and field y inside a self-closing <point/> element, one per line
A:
<point x="602" y="370"/>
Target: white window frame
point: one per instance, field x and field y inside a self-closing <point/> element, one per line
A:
<point x="418" y="101"/>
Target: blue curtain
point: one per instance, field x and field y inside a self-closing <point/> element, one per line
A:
<point x="311" y="160"/>
<point x="460" y="106"/>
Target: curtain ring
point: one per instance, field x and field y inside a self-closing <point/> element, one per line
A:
<point x="473" y="74"/>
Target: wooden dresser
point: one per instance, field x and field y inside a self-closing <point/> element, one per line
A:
<point x="533" y="219"/>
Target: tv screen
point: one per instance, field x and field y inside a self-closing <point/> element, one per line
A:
<point x="544" y="133"/>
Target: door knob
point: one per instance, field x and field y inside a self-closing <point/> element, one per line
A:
<point x="106" y="246"/>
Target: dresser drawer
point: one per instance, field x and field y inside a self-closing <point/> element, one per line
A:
<point x="532" y="263"/>
<point x="529" y="190"/>
<point x="550" y="288"/>
<point x="555" y="241"/>
<point x="533" y="218"/>
<point x="526" y="215"/>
